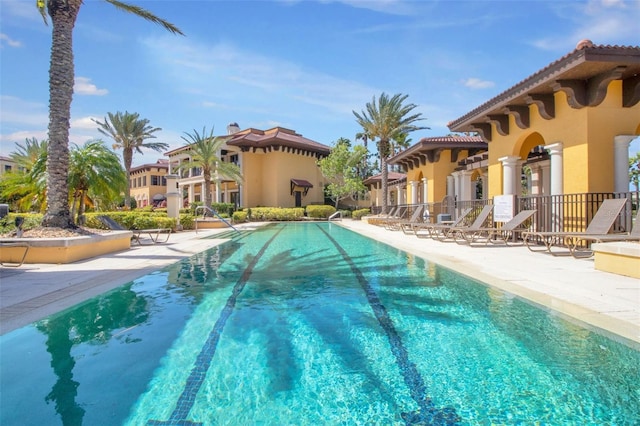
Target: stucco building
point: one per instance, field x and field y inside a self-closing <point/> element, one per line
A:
<point x="148" y="183"/>
<point x="279" y="167"/>
<point x="571" y="123"/>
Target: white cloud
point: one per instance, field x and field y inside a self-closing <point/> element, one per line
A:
<point x="6" y="40"/>
<point x="391" y="7"/>
<point x="238" y="76"/>
<point x="83" y="86"/>
<point x="85" y="123"/>
<point x="476" y="83"/>
<point x="601" y="21"/>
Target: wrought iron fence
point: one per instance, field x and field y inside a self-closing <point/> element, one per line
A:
<point x="556" y="213"/>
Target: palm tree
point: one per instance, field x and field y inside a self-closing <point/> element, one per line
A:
<point x="26" y="188"/>
<point x="387" y="120"/>
<point x="93" y="168"/>
<point x="129" y="132"/>
<point x="63" y="14"/>
<point x="204" y="155"/>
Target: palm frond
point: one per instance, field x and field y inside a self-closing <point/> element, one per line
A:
<point x="145" y="14"/>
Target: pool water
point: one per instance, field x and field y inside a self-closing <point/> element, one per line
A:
<point x="306" y="324"/>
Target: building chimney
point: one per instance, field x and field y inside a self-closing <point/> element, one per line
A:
<point x="232" y="128"/>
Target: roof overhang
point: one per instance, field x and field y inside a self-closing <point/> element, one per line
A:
<point x="583" y="75"/>
<point x="301" y="183"/>
<point x="428" y="150"/>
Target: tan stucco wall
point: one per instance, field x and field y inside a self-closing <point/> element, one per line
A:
<point x="621" y="258"/>
<point x="436" y="175"/>
<point x="268" y="176"/>
<point x="65" y="250"/>
<point x="148" y="191"/>
<point x="586" y="135"/>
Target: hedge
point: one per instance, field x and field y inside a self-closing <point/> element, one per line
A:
<point x="357" y="214"/>
<point x="275" y="213"/>
<point x="320" y="212"/>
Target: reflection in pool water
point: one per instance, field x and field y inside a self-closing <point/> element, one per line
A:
<point x="312" y="324"/>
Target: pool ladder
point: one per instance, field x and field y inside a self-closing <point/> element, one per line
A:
<point x="336" y="216"/>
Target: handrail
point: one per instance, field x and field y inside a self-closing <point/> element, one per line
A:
<point x="212" y="211"/>
<point x="335" y="215"/>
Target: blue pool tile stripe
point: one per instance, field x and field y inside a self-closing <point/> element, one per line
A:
<point x="428" y="413"/>
<point x="204" y="358"/>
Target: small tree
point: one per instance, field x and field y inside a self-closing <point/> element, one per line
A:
<point x="340" y="168"/>
<point x="95" y="169"/>
<point x="26" y="188"/>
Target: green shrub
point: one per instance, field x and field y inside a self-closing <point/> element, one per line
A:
<point x="31" y="220"/>
<point x="187" y="221"/>
<point x="239" y="216"/>
<point x="132" y="220"/>
<point x="276" y="213"/>
<point x="152" y="222"/>
<point x="320" y="212"/>
<point x="357" y="214"/>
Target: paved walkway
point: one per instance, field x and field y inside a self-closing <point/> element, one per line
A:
<point x="567" y="285"/>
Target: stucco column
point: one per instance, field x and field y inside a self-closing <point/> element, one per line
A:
<point x="535" y="181"/>
<point x="456" y="185"/>
<point x="510" y="179"/>
<point x="451" y="186"/>
<point x="425" y="190"/>
<point x="174" y="198"/>
<point x="466" y="194"/>
<point x="414" y="191"/>
<point x="621" y="162"/>
<point x="485" y="186"/>
<point x="192" y="193"/>
<point x="557" y="174"/>
<point x="398" y="195"/>
<point x="545" y="170"/>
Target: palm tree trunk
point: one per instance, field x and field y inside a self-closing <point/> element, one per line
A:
<point x="206" y="189"/>
<point x="61" y="77"/>
<point x="127" y="158"/>
<point x="385" y="184"/>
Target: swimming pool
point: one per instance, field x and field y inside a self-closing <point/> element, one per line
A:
<point x="312" y="324"/>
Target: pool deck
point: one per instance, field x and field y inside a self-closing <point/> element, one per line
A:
<point x="569" y="286"/>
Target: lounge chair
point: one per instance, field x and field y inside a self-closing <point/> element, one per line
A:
<point x="398" y="215"/>
<point x="495" y="235"/>
<point x="434" y="229"/>
<point x="373" y="220"/>
<point x="600" y="225"/>
<point x="574" y="242"/>
<point x="154" y="234"/>
<point x="450" y="233"/>
<point x="396" y="225"/>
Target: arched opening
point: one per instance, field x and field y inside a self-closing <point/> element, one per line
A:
<point x="535" y="173"/>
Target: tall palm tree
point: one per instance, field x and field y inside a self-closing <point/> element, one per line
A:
<point x="63" y="14"/>
<point x="93" y="167"/>
<point x="204" y="155"/>
<point x="129" y="133"/>
<point x="387" y="120"/>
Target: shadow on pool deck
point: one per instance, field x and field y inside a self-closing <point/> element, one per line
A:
<point x="567" y="285"/>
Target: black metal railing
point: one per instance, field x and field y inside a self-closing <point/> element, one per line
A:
<point x="554" y="213"/>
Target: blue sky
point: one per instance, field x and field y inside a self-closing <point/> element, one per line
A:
<point x="304" y="65"/>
